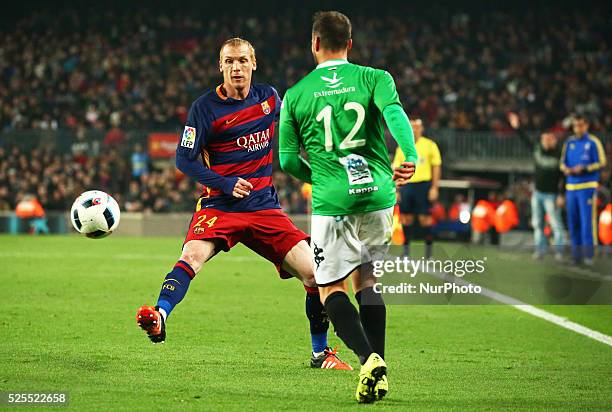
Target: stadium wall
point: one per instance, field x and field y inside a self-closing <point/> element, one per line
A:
<point x="175" y="224"/>
<point x="132" y="224"/>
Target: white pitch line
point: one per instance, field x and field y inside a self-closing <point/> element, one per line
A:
<point x="537" y="312"/>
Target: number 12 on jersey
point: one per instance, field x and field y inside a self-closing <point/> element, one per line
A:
<point x="325" y="115"/>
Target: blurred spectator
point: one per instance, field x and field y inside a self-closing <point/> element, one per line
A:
<point x="115" y="137"/>
<point x="31" y="211"/>
<point x="132" y="198"/>
<point x="135" y="69"/>
<point x="58" y="179"/>
<point x="81" y="148"/>
<point x="140" y="162"/>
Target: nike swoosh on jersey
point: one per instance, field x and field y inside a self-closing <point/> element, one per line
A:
<point x="231" y="121"/>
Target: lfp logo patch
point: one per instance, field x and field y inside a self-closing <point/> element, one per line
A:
<point x="189" y="137"/>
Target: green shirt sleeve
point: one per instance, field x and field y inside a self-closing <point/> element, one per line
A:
<point x="401" y="130"/>
<point x="296" y="166"/>
<point x="388" y="102"/>
<point x="288" y="136"/>
<point x="385" y="93"/>
<point x="289" y="146"/>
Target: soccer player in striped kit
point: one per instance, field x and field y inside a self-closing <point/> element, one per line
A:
<point x="227" y="147"/>
<point x="582" y="160"/>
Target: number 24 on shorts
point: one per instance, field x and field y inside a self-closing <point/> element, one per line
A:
<point x="201" y="219"/>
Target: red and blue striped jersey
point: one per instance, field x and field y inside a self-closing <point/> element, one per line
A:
<point x="234" y="139"/>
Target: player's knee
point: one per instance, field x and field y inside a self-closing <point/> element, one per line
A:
<point x="298" y="262"/>
<point x="195" y="254"/>
<point x="326" y="291"/>
<point x="193" y="259"/>
<point x="305" y="271"/>
<point x="308" y="279"/>
<point x="424" y="220"/>
<point x="406" y="219"/>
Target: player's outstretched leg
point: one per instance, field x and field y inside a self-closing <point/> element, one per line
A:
<point x="173" y="291"/>
<point x="298" y="262"/>
<point x="323" y="356"/>
<point x="348" y="327"/>
<point x="174" y="288"/>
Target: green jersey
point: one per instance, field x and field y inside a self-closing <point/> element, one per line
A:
<point x="335" y="114"/>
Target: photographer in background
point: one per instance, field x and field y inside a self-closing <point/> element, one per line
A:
<point x="547" y="197"/>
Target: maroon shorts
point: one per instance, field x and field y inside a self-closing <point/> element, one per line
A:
<point x="269" y="233"/>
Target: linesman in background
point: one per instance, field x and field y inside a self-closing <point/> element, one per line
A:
<point x="582" y="160"/>
<point x="416" y="196"/>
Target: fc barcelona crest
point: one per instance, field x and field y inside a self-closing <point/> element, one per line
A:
<point x="265" y="107"/>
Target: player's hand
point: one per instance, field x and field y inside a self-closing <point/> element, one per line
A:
<point x="433" y="194"/>
<point x="514" y="120"/>
<point x="242" y="188"/>
<point x="402" y="174"/>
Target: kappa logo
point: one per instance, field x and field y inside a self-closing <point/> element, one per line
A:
<point x="318" y="252"/>
<point x="231" y="121"/>
<point x="334" y="82"/>
<point x="265" y="107"/>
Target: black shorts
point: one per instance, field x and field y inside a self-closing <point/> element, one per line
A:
<point x="414" y="198"/>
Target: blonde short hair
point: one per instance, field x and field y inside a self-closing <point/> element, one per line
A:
<point x="237" y="42"/>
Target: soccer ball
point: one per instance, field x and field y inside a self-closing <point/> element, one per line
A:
<point x="95" y="214"/>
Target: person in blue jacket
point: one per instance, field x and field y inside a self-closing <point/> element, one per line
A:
<point x="582" y="160"/>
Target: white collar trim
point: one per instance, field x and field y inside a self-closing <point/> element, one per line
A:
<point x="332" y="62"/>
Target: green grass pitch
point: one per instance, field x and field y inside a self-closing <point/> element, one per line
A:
<point x="239" y="341"/>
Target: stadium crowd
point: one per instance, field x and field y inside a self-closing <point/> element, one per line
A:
<point x="114" y="71"/>
<point x="141" y="68"/>
<point x="57" y="179"/>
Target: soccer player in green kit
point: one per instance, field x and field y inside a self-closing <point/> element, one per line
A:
<point x="336" y="114"/>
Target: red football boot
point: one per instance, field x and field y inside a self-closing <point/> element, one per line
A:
<point x="152" y="322"/>
<point x="329" y="360"/>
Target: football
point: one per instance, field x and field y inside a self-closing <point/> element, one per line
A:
<point x="95" y="214"/>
